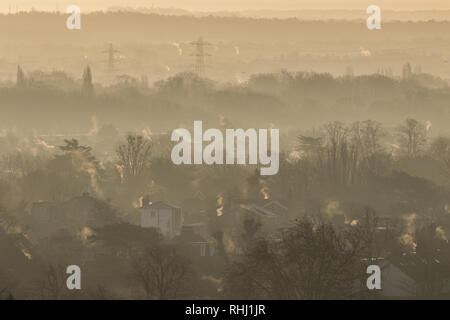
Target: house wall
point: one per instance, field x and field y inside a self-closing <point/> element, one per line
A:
<point x="162" y="219"/>
<point x="165" y="222"/>
<point x="149" y="218"/>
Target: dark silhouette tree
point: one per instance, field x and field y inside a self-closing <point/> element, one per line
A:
<point x="440" y="150"/>
<point x="412" y="137"/>
<point x="87" y="88"/>
<point x="134" y="156"/>
<point x="312" y="261"/>
<point x="21" y="81"/>
<point x="53" y="282"/>
<point x="161" y="271"/>
<point x="407" y="71"/>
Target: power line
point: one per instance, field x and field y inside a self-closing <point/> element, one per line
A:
<point x="111" y="57"/>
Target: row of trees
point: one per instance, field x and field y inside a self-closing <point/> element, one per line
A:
<point x="22" y="81"/>
<point x="350" y="154"/>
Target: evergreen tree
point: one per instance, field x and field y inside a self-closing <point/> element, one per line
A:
<point x="21" y="81"/>
<point x="407" y="71"/>
<point x="87" y="88"/>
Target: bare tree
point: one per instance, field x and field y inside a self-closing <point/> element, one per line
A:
<point x="6" y="285"/>
<point x="440" y="150"/>
<point x="19" y="164"/>
<point x="334" y="154"/>
<point x="320" y="262"/>
<point x="134" y="156"/>
<point x="341" y="155"/>
<point x="367" y="135"/>
<point x="407" y="71"/>
<point x="87" y="88"/>
<point x="161" y="271"/>
<point x="259" y="274"/>
<point x="372" y="158"/>
<point x="312" y="261"/>
<point x="21" y="81"/>
<point x="53" y="282"/>
<point x="429" y="265"/>
<point x="346" y="154"/>
<point x="412" y="137"/>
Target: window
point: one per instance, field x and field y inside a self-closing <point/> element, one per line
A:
<point x="202" y="249"/>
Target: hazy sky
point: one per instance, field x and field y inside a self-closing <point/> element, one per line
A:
<point x="213" y="5"/>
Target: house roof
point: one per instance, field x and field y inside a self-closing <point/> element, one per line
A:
<point x="163" y="205"/>
<point x="195" y="224"/>
<point x="189" y="236"/>
<point x="261" y="211"/>
<point x="265" y="208"/>
<point x="274" y="203"/>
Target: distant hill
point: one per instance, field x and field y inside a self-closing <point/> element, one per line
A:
<point x="37" y="27"/>
<point x="388" y="15"/>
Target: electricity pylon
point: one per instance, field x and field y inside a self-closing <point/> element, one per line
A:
<point x="111" y="57"/>
<point x="200" y="54"/>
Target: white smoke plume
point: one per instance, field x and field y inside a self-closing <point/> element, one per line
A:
<point x="333" y="207"/>
<point x="447" y="208"/>
<point x="120" y="170"/>
<point x="408" y="241"/>
<point x="264" y="193"/>
<point x="90" y="168"/>
<point x="27" y="254"/>
<point x="294" y="156"/>
<point x="94" y="128"/>
<point x="352" y="223"/>
<point x="41" y="142"/>
<point x="177" y="45"/>
<point x="407" y="238"/>
<point x="84" y="234"/>
<point x="219" y="210"/>
<point x="440" y="233"/>
<point x="147" y="133"/>
<point x="364" y="52"/>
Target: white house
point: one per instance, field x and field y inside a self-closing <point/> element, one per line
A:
<point x="165" y="217"/>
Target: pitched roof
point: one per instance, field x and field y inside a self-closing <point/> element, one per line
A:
<point x="163" y="205"/>
<point x="258" y="210"/>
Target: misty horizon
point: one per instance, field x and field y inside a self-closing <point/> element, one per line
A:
<point x="229" y="5"/>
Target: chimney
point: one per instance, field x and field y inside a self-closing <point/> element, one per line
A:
<point x="145" y="201"/>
